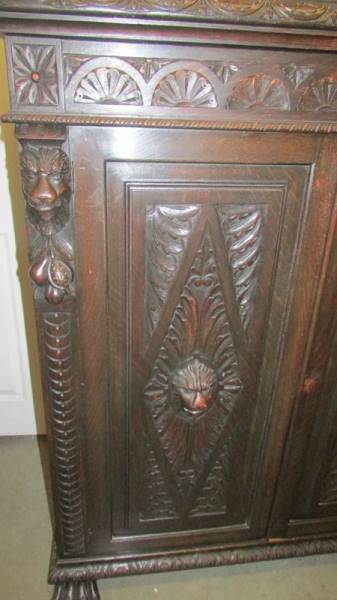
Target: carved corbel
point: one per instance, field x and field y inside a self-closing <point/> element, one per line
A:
<point x="45" y="169"/>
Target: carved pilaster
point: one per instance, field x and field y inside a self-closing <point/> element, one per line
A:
<point x="46" y="182"/>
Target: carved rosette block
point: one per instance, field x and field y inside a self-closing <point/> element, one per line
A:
<point x="77" y="590"/>
<point x="35" y="74"/>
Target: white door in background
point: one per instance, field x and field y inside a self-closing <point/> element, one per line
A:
<point x="16" y="401"/>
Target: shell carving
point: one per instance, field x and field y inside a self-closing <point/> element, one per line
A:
<point x="106" y="85"/>
<point x="196" y="385"/>
<point x="259" y="92"/>
<point x="321" y="96"/>
<point x="185" y="88"/>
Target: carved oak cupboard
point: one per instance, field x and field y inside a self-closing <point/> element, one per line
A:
<point x="179" y="174"/>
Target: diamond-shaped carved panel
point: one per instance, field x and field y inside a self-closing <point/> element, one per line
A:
<point x="196" y="377"/>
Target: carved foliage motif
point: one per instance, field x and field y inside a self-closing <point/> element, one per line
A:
<point x="298" y="12"/>
<point x="196" y="378"/>
<point x="157" y="503"/>
<point x="168" y="230"/>
<point x="59" y="356"/>
<point x="46" y="187"/>
<point x="243" y="231"/>
<point x="35" y="75"/>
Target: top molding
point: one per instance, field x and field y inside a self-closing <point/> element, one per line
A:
<point x="294" y="13"/>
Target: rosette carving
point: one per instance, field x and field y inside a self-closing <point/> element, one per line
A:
<point x="35" y="74"/>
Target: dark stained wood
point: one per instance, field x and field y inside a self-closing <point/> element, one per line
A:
<point x="179" y="175"/>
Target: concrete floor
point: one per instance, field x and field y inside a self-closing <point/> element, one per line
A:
<point x="25" y="537"/>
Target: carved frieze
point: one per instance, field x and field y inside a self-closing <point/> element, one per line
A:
<point x="292" y="12"/>
<point x="185" y="84"/>
<point x="97" y="84"/>
<point x="45" y="171"/>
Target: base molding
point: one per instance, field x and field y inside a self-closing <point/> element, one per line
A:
<point x="90" y="570"/>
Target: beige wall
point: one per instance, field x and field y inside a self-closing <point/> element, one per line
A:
<point x="7" y="135"/>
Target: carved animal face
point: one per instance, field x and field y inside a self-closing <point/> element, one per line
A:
<point x="45" y="176"/>
<point x="195" y="384"/>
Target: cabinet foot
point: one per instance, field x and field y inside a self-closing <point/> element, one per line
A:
<point x="76" y="590"/>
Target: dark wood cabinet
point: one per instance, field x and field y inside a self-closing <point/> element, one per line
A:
<point x="179" y="172"/>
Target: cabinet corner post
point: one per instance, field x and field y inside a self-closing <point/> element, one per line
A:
<point x="47" y="193"/>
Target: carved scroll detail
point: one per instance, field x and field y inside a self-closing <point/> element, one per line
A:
<point x="59" y="353"/>
<point x="196" y="378"/>
<point x="243" y="228"/>
<point x="46" y="186"/>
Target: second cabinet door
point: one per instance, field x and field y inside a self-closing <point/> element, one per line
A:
<point x="209" y="249"/>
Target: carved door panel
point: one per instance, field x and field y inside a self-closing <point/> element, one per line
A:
<point x="196" y="258"/>
<point x="310" y="462"/>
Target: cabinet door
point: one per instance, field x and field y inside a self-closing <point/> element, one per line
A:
<point x="200" y="256"/>
<point x="309" y="504"/>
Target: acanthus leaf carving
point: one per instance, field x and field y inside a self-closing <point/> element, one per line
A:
<point x="156" y="500"/>
<point x="243" y="233"/>
<point x="168" y="229"/>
